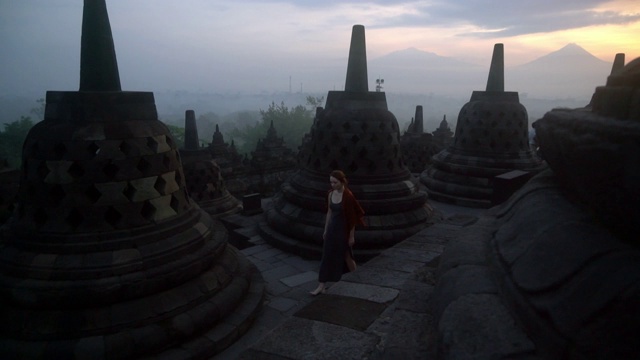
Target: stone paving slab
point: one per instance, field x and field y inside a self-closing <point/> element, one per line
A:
<point x="345" y="311"/>
<point x="376" y="276"/>
<point x="313" y="340"/>
<point x="373" y="293"/>
<point x="300" y="279"/>
<point x="282" y="304"/>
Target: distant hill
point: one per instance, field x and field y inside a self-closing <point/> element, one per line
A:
<point x="570" y="72"/>
<point x="416" y="71"/>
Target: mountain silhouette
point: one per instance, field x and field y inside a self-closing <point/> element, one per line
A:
<point x="415" y="71"/>
<point x="570" y="72"/>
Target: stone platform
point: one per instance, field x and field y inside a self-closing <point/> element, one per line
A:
<point x="379" y="311"/>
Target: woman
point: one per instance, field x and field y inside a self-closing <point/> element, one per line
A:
<point x="343" y="214"/>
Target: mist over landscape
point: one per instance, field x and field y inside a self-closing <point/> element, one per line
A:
<point x="442" y="85"/>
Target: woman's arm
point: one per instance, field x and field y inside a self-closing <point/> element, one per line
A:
<point x="326" y="220"/>
<point x="352" y="239"/>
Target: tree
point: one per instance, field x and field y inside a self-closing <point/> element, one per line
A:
<point x="12" y="139"/>
<point x="290" y="123"/>
<point x="177" y="133"/>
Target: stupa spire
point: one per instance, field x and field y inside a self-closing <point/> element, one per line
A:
<point x="191" y="141"/>
<point x="357" y="66"/>
<point x="98" y="63"/>
<point x="418" y="126"/>
<point x="495" y="82"/>
<point x="618" y="63"/>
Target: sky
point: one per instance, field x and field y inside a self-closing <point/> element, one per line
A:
<point x="245" y="46"/>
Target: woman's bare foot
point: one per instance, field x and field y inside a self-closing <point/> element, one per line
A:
<point x="319" y="290"/>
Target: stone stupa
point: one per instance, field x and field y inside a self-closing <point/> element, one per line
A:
<point x="554" y="272"/>
<point x="491" y="139"/>
<point x="355" y="133"/>
<point x="418" y="147"/>
<point x="203" y="176"/>
<point x="106" y="256"/>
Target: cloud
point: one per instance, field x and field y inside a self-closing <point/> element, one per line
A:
<point x="498" y="18"/>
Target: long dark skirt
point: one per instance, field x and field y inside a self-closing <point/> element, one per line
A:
<point x="335" y="247"/>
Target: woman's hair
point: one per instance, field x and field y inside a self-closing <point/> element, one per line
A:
<point x="338" y="174"/>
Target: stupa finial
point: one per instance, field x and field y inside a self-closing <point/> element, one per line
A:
<point x="357" y="66"/>
<point x="495" y="82"/>
<point x="618" y="63"/>
<point x="191" y="141"/>
<point x="98" y="63"/>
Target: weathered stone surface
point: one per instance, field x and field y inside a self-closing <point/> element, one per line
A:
<point x="374" y="293"/>
<point x="347" y="311"/>
<point x="404" y="337"/>
<point x="315" y="340"/>
<point x="491" y="139"/>
<point x="478" y="326"/>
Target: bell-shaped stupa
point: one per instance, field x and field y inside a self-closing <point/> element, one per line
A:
<point x="203" y="176"/>
<point x="106" y="255"/>
<point x="491" y="139"/>
<point x="355" y="133"/>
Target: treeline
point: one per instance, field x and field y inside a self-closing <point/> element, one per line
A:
<point x="244" y="128"/>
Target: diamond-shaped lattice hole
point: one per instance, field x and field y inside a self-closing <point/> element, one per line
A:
<point x="353" y="167"/>
<point x="355" y="139"/>
<point x="152" y="144"/>
<point x="507" y="145"/>
<point x="56" y="194"/>
<point x="75" y="218"/>
<point x="110" y="170"/>
<point x="148" y="211"/>
<point x="363" y="153"/>
<point x="129" y="191"/>
<point x="346" y="126"/>
<point x="175" y="204"/>
<point x="76" y="170"/>
<point x="125" y="148"/>
<point x="143" y="165"/>
<point x="382" y="126"/>
<point x="93" y="194"/>
<point x="93" y="149"/>
<point x="35" y="148"/>
<point x="166" y="161"/>
<point x="59" y="150"/>
<point x="112" y="216"/>
<point x="178" y="178"/>
<point x="374" y="138"/>
<point x="43" y="169"/>
<point x="40" y="216"/>
<point x="390" y="165"/>
<point x="160" y="185"/>
<point x="344" y="151"/>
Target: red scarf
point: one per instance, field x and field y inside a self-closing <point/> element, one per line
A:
<point x="353" y="212"/>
